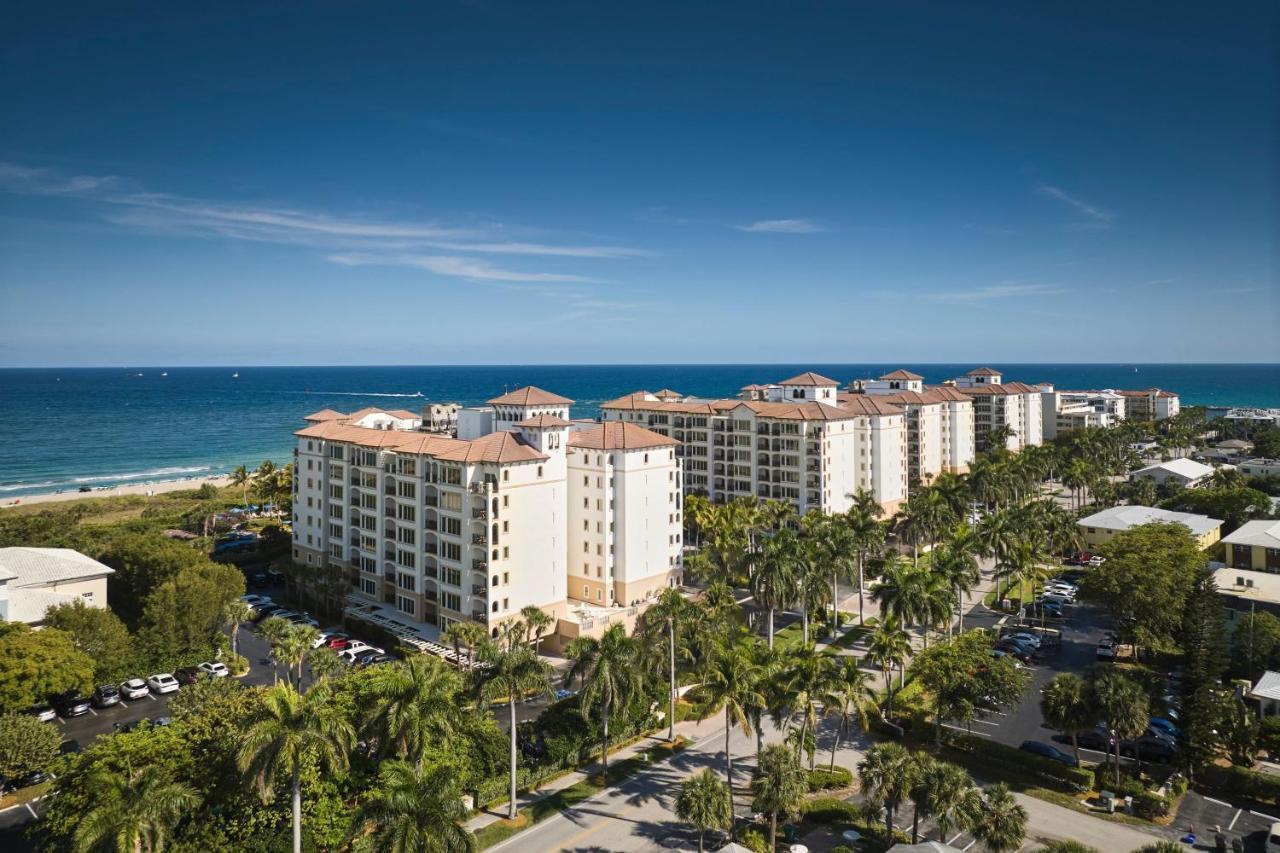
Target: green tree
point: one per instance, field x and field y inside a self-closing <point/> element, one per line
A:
<point x="867" y="534"/>
<point x="414" y="704"/>
<point x="778" y="787"/>
<point x="240" y="477"/>
<point x="38" y="664"/>
<point x="288" y="732"/>
<point x="887" y="774"/>
<point x="1238" y="725"/>
<point x="235" y="613"/>
<point x="961" y="677"/>
<point x="133" y="811"/>
<point x="142" y="562"/>
<point x="1002" y="824"/>
<point x="97" y="632"/>
<point x="611" y="676"/>
<point x="509" y="675"/>
<point x="851" y="700"/>
<point x="889" y="647"/>
<point x="775" y="583"/>
<point x="413" y="810"/>
<point x="947" y="792"/>
<point x="731" y="679"/>
<point x="26" y="745"/>
<point x="1124" y="705"/>
<point x="704" y="803"/>
<point x="1067" y="705"/>
<point x="183" y="615"/>
<point x="538" y="621"/>
<point x="324" y="663"/>
<point x="665" y="616"/>
<point x="1255" y="645"/>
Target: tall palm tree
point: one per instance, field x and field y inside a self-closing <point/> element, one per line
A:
<point x="774" y="584"/>
<point x="778" y="786"/>
<point x="274" y="629"/>
<point x="1126" y="708"/>
<point x="936" y="600"/>
<point x="835" y="546"/>
<point x="950" y="796"/>
<point x="867" y="534"/>
<point x="241" y="477"/>
<point x="1067" y="705"/>
<point x="925" y="765"/>
<point x="538" y="621"/>
<point x="704" y="801"/>
<point x="610" y="673"/>
<point x="665" y="615"/>
<point x="413" y="810"/>
<point x="510" y="674"/>
<point x="1020" y="565"/>
<point x="264" y="478"/>
<point x="852" y="701"/>
<point x="889" y="647"/>
<point x="1003" y="823"/>
<point x="236" y="612"/>
<point x="414" y="705"/>
<point x="292" y="648"/>
<point x="887" y="775"/>
<point x="132" y="811"/>
<point x="812" y="582"/>
<point x="956" y="563"/>
<point x="288" y="732"/>
<point x="324" y="663"/>
<point x="732" y="679"/>
<point x="810" y="683"/>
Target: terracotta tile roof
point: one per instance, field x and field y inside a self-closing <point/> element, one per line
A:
<point x="950" y="393"/>
<point x="494" y="447"/>
<point x="637" y="403"/>
<point x="1148" y="393"/>
<point x="324" y="415"/>
<point x="903" y="374"/>
<point x="870" y="404"/>
<point x="404" y="414"/>
<point x="809" y="378"/>
<point x="984" y="371"/>
<point x="368" y="410"/>
<point x="617" y="435"/>
<point x="904" y="398"/>
<point x="667" y="393"/>
<point x="998" y="390"/>
<point x="530" y="396"/>
<point x="544" y="421"/>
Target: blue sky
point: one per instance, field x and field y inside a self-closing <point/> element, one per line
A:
<point x="513" y="182"/>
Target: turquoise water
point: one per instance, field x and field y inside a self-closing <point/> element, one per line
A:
<point x="63" y="428"/>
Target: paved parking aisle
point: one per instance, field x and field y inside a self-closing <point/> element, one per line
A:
<point x="1210" y="816"/>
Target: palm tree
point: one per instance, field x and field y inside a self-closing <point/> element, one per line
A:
<point x="996" y="536"/>
<point x="1003" y="823"/>
<point x="956" y="563"/>
<point x="241" y="477"/>
<point x="414" y="705"/>
<point x="704" y="801"/>
<point x="774" y="584"/>
<point x="1067" y="705"/>
<point x="666" y="613"/>
<point x="810" y="684"/>
<point x="949" y="795"/>
<point x="293" y="647"/>
<point x="852" y="699"/>
<point x="510" y="674"/>
<point x="835" y="546"/>
<point x="132" y="811"/>
<point x="274" y="629"/>
<point x="264" y="478"/>
<point x="812" y="582"/>
<point x="920" y="790"/>
<point x="866" y="533"/>
<point x="778" y="787"/>
<point x="324" y="663"/>
<point x="610" y="673"/>
<point x="732" y="679"/>
<point x="236" y="612"/>
<point x="413" y="810"/>
<point x="900" y="591"/>
<point x="470" y="635"/>
<point x="889" y="647"/>
<point x="887" y="775"/>
<point x="1020" y="565"/>
<point x="1126" y="708"/>
<point x="538" y="621"/>
<point x="291" y="731"/>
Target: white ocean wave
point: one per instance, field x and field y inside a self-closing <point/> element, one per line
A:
<point x="140" y="475"/>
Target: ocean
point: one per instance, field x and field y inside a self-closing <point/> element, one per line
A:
<point x="66" y="428"/>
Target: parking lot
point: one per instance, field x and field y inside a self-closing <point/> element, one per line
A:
<point x="1209" y="816"/>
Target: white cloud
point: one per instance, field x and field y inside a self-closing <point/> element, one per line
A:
<point x="782" y="226"/>
<point x="996" y="291"/>
<point x="1092" y="215"/>
<point x="455" y="267"/>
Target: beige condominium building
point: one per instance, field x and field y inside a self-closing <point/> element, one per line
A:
<point x="799" y="441"/>
<point x="1152" y="404"/>
<point x="521" y="507"/>
<point x="940" y="427"/>
<point x="997" y="404"/>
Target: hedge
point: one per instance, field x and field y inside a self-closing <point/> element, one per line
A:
<point x="1243" y="782"/>
<point x="823" y="779"/>
<point x="1071" y="779"/>
<point x="829" y="810"/>
<point x="1150" y="805"/>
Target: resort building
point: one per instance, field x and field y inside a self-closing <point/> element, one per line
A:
<point x="997" y="404"/>
<point x="940" y="425"/>
<point x="1259" y="467"/>
<point x="1101" y="527"/>
<point x="1255" y="545"/>
<point x="1151" y="405"/>
<point x="522" y="507"/>
<point x="1066" y="411"/>
<point x="1184" y="472"/>
<point x="34" y="579"/>
<point x="799" y="441"/>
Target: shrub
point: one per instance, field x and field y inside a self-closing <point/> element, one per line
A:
<point x="829" y="811"/>
<point x="1150" y="805"/>
<point x="1243" y="782"/>
<point x="824" y="780"/>
<point x="840" y="848"/>
<point x="754" y="841"/>
<point x="1128" y="786"/>
<point x="238" y="664"/>
<point x="26" y="745"/>
<point x="1269" y="735"/>
<point x="1073" y="779"/>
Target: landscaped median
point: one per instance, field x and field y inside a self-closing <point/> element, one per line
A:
<point x="555" y="802"/>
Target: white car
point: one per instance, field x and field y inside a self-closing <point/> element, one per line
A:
<point x="215" y="669"/>
<point x="1097" y="561"/>
<point x="1026" y="637"/>
<point x="286" y="615"/>
<point x="303" y="619"/>
<point x="134" y="688"/>
<point x="163" y="682"/>
<point x="1058" y="598"/>
<point x="356" y="647"/>
<point x="254" y="600"/>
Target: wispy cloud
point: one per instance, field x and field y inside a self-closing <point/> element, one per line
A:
<point x="782" y="226"/>
<point x="458" y="267"/>
<point x="996" y="291"/>
<point x="1090" y="215"/>
<point x="353" y="240"/>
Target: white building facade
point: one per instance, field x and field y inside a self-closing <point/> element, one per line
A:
<point x="999" y="404"/>
<point x="940" y="424"/>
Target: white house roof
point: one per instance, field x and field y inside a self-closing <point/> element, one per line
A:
<point x="1124" y="517"/>
<point x="1265" y="534"/>
<point x="1184" y="467"/>
<point x="1268" y="686"/>
<point x="1249" y="585"/>
<point x="45" y="566"/>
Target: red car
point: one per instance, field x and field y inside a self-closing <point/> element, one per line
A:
<point x="338" y="643"/>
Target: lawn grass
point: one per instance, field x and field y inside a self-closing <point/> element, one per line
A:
<point x="543" y="808"/>
<point x="854" y="634"/>
<point x="25" y="795"/>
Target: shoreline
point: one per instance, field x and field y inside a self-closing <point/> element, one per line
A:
<point x="142" y="489"/>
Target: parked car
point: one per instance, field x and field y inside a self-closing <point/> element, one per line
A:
<point x="1057" y="598"/>
<point x="260" y="613"/>
<point x="254" y="600"/>
<point x="338" y="642"/>
<point x="1044" y="750"/>
<point x="1013" y="650"/>
<point x="1106" y="650"/>
<point x="19" y="782"/>
<point x="1025" y="637"/>
<point x="162" y="683"/>
<point x="1098" y="738"/>
<point x="355" y="648"/>
<point x="1025" y="646"/>
<point x="187" y="675"/>
<point x="71" y="704"/>
<point x="1096" y="561"/>
<point x="303" y="619"/>
<point x="1049" y="609"/>
<point x="564" y="694"/>
<point x="134" y="688"/>
<point x="257" y="580"/>
<point x="285" y="613"/>
<point x="214" y="669"/>
<point x="1080" y="559"/>
<point x="367" y="657"/>
<point x="43" y="712"/>
<point x="1165" y="725"/>
<point x="106" y="695"/>
<point x="1149" y="748"/>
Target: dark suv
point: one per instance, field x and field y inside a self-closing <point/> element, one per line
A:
<point x="71" y="704"/>
<point x="187" y="675"/>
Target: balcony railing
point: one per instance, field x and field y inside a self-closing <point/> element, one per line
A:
<point x="480" y="512"/>
<point x="478" y="539"/>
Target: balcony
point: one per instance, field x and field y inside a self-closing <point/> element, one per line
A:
<point x="479" y="615"/>
<point x="479" y="591"/>
<point x="431" y="548"/>
<point x="390" y="576"/>
<point x="431" y="500"/>
<point x="479" y="565"/>
<point x="431" y="524"/>
<point x="477" y="539"/>
<point x="480" y="513"/>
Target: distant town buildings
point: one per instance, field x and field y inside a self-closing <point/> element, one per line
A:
<point x="1255" y="545"/>
<point x="1184" y="472"/>
<point x="1098" y="529"/>
<point x="997" y="404"/>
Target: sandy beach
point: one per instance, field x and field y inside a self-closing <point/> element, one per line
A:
<point x="112" y="491"/>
